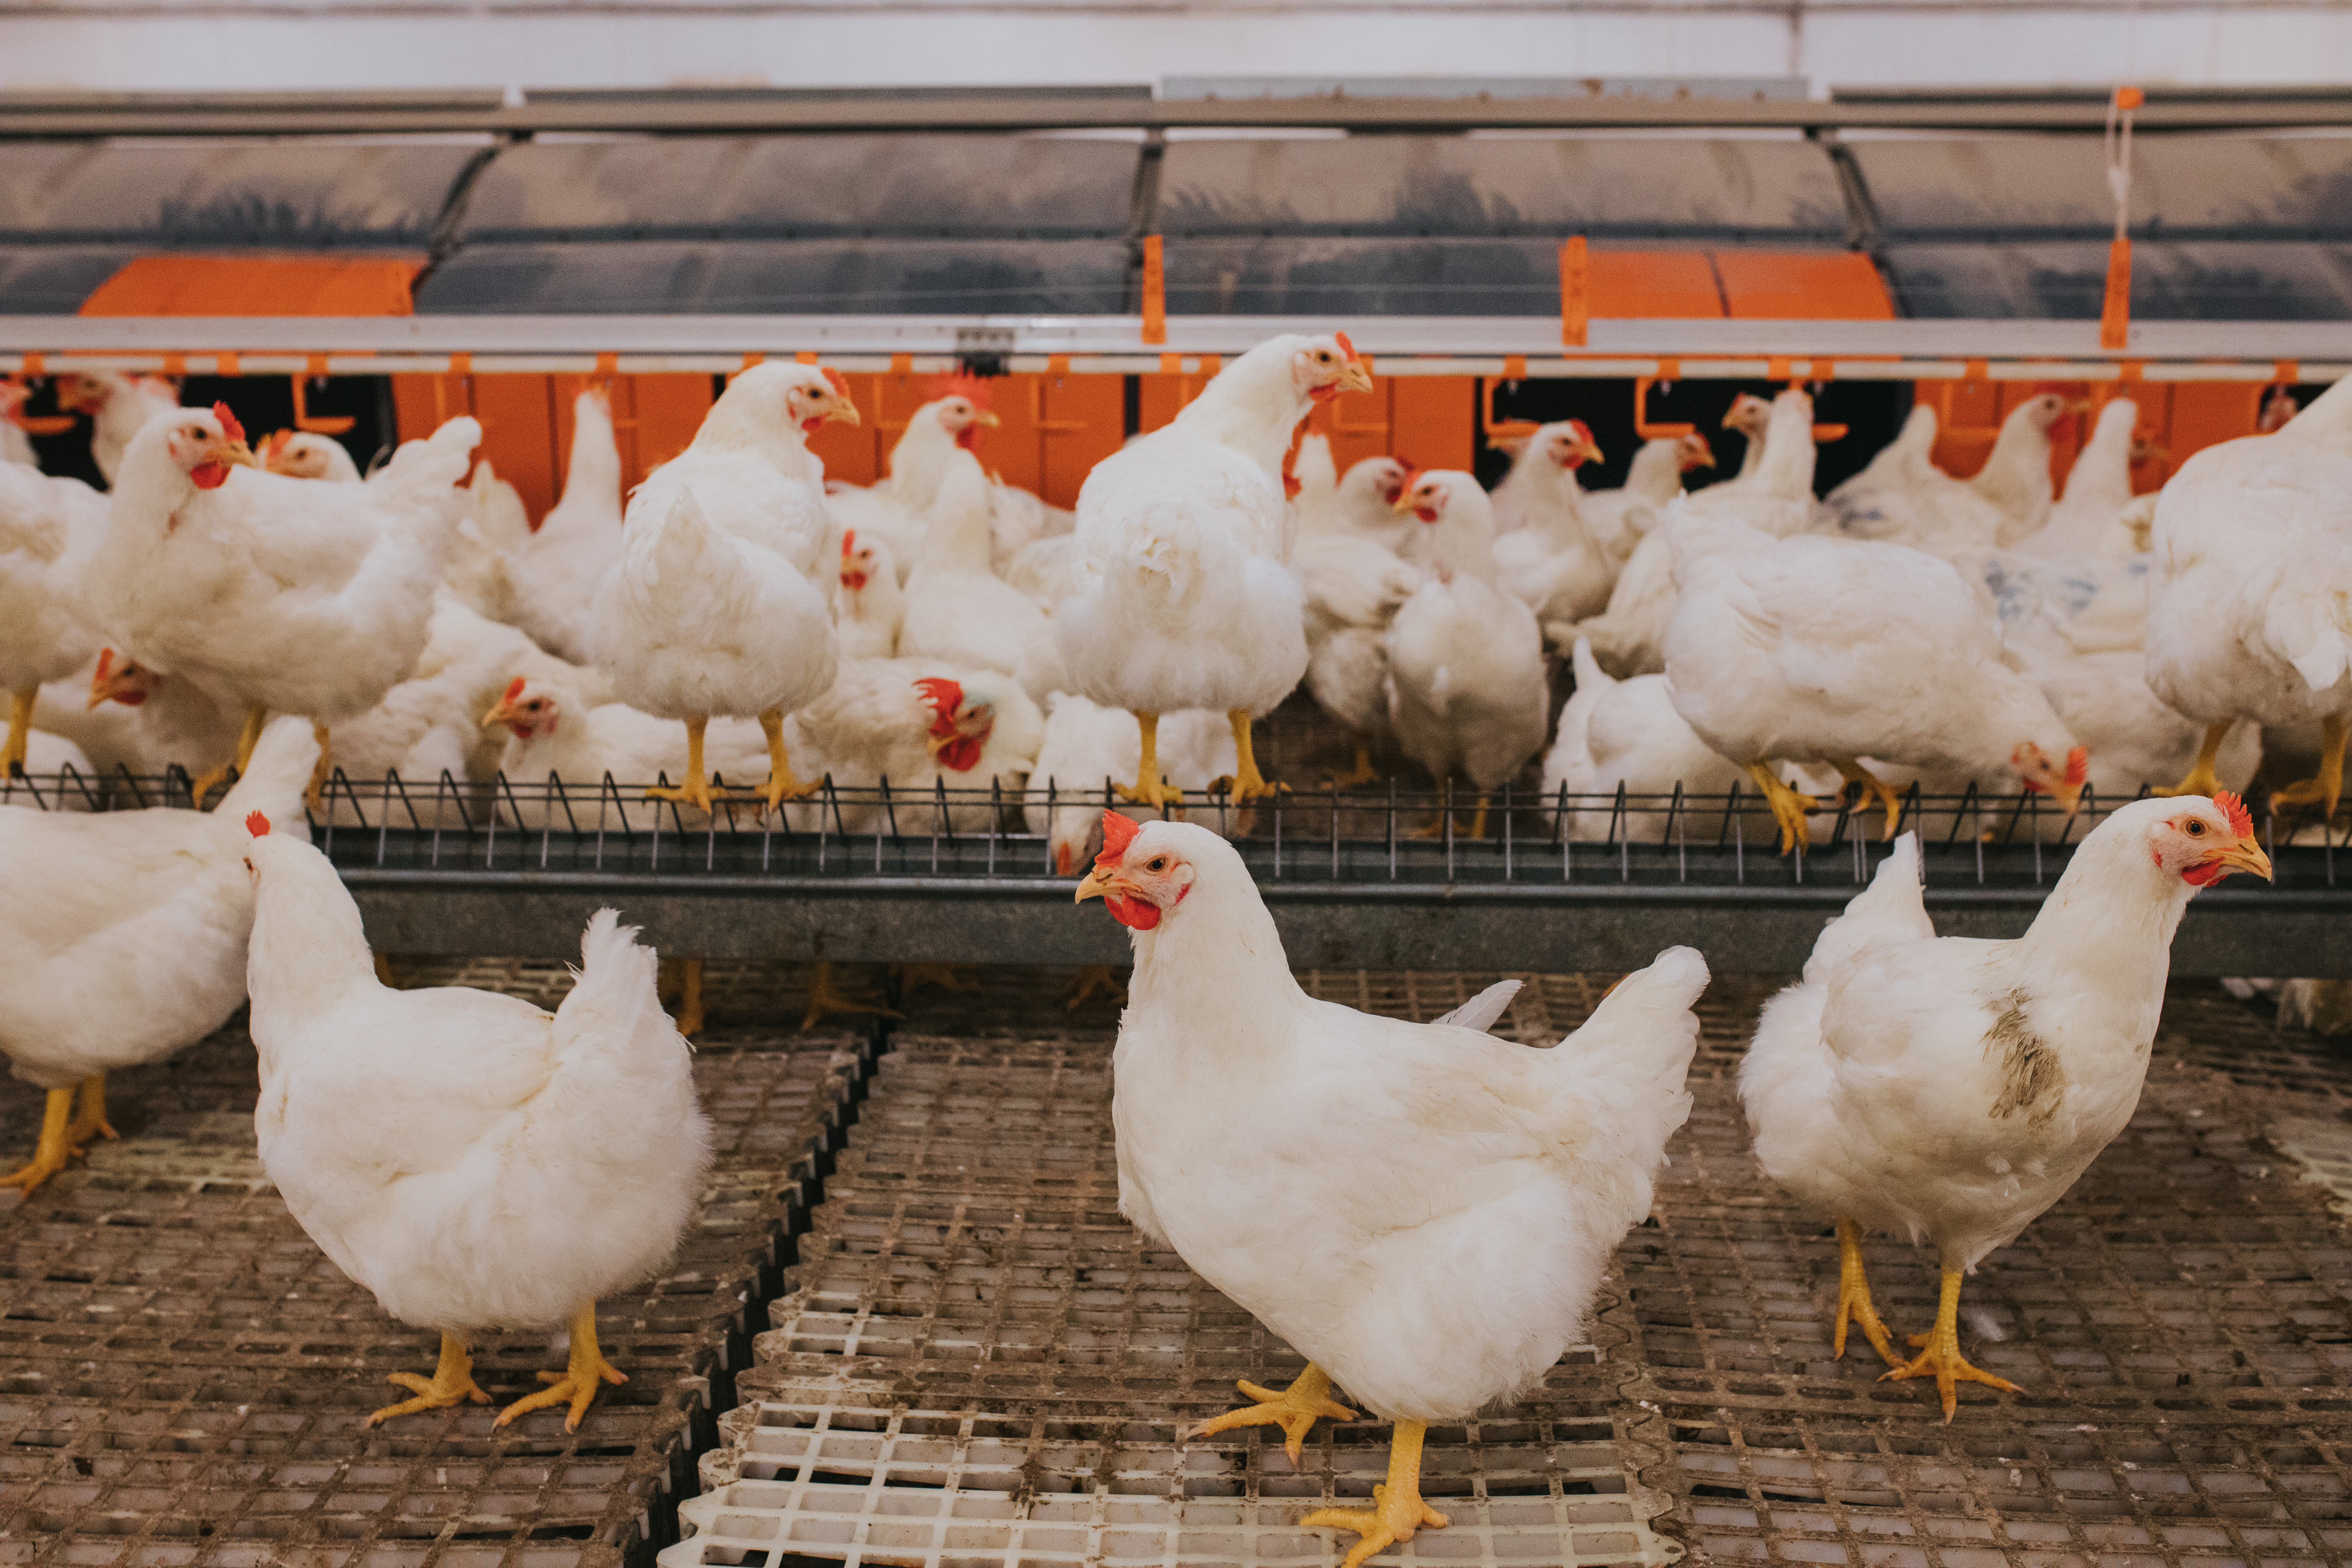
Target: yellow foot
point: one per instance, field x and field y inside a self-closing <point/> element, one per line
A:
<point x="577" y="1384"/>
<point x="1095" y="980"/>
<point x="782" y="785"/>
<point x="1788" y="807"/>
<point x="1157" y="794"/>
<point x="50" y="1154"/>
<point x="206" y="783"/>
<point x="696" y="791"/>
<point x="452" y="1382"/>
<point x="1853" y="1299"/>
<point x="90" y="1115"/>
<point x="824" y="1001"/>
<point x="1874" y="788"/>
<point x="911" y="976"/>
<point x="1293" y="1409"/>
<point x="1940" y="1358"/>
<point x="1397" y="1510"/>
<point x="1244" y="784"/>
<point x="2202" y="778"/>
<point x="320" y="771"/>
<point x="1363" y="773"/>
<point x="687" y="989"/>
<point x="2327" y="788"/>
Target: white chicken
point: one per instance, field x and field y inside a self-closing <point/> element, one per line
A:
<point x="123" y="937"/>
<point x="307" y="455"/>
<point x="1180" y="596"/>
<point x="119" y="406"/>
<point x="897" y="509"/>
<point x="1618" y="520"/>
<point x="1821" y="649"/>
<point x="1949" y="1089"/>
<point x="49" y="530"/>
<point x="920" y="724"/>
<point x="1432" y="1236"/>
<point x="273" y="594"/>
<point x="957" y="609"/>
<point x="2250" y="616"/>
<point x="1088" y="746"/>
<point x="2086" y="518"/>
<point x="1466" y="688"/>
<point x="1902" y="498"/>
<point x="1625" y="734"/>
<point x="872" y="607"/>
<point x="1541" y="488"/>
<point x="475" y="1162"/>
<point x="1750" y="416"/>
<point x="1545" y="557"/>
<point x="551" y="729"/>
<point x="1353" y="584"/>
<point x="722" y="600"/>
<point x="496" y="524"/>
<point x="553" y="570"/>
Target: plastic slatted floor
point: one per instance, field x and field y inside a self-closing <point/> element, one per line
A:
<point x="978" y="1363"/>
<point x="183" y="1375"/>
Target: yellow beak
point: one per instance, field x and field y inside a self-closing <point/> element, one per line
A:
<point x="2246" y="855"/>
<point x="842" y="409"/>
<point x="1354" y="378"/>
<point x="1097" y="883"/>
<point x="500" y="714"/>
<point x="1592" y="454"/>
<point x="986" y="417"/>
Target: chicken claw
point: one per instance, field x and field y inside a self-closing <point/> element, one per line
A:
<point x="1095" y="980"/>
<point x="1941" y="1358"/>
<point x="50" y="1154"/>
<point x="587" y="1372"/>
<point x="2327" y="787"/>
<point x="696" y="791"/>
<point x="823" y="1000"/>
<point x="1788" y="807"/>
<point x="782" y="785"/>
<point x="1293" y="1409"/>
<point x="1854" y="1297"/>
<point x="452" y="1382"/>
<point x="1363" y="773"/>
<point x="1245" y="783"/>
<point x="1397" y="1510"/>
<point x="2200" y="778"/>
<point x="1874" y="787"/>
<point x="1150" y="789"/>
<point x="89" y="1116"/>
<point x="942" y="975"/>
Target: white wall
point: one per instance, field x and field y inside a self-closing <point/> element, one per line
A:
<point x="229" y="45"/>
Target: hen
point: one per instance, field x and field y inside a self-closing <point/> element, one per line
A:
<point x="1426" y="1212"/>
<point x="721" y="602"/>
<point x="119" y="406"/>
<point x="1902" y="498"/>
<point x="123" y="937"/>
<point x="552" y="729"/>
<point x="1948" y="1088"/>
<point x="307" y="455"/>
<point x="872" y="607"/>
<point x="2087" y="517"/>
<point x="50" y="529"/>
<point x="1353" y="586"/>
<point x="1180" y="596"/>
<point x="1625" y="733"/>
<point x="1618" y="520"/>
<point x="923" y="723"/>
<point x="1549" y="559"/>
<point x="271" y="593"/>
<point x="2250" y="616"/>
<point x="554" y="570"/>
<point x="898" y="510"/>
<point x="957" y="609"/>
<point x="1466" y="689"/>
<point x="1828" y="650"/>
<point x="1086" y="747"/>
<point x="476" y="1162"/>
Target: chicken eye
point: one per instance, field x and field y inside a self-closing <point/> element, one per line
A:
<point x="1157" y="863"/>
<point x="2196" y="829"/>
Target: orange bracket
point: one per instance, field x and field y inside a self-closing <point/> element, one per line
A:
<point x="806" y="356"/>
<point x="1515" y="368"/>
<point x="1573" y="301"/>
<point x="2286" y="372"/>
<point x="461" y="364"/>
<point x="1037" y="411"/>
<point x="175" y="365"/>
<point x="1494" y="432"/>
<point x="1671" y="431"/>
<point x="35" y="365"/>
<point x="331" y="425"/>
<point x="1155" y="291"/>
<point x="2115" y="312"/>
<point x="229" y="364"/>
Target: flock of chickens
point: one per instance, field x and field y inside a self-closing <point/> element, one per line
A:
<point x="736" y="618"/>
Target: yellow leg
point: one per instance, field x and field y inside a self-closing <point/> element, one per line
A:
<point x="1854" y="1297"/>
<point x="586" y="1372"/>
<point x="1478" y="822"/>
<point x="20" y="726"/>
<point x="1363" y="773"/>
<point x="824" y="1001"/>
<point x="1293" y="1409"/>
<point x="688" y="1016"/>
<point x="1941" y="1359"/>
<point x="2327" y="787"/>
<point x="782" y="785"/>
<point x="49" y="1155"/>
<point x="1788" y="807"/>
<point x="89" y="1116"/>
<point x="1149" y="788"/>
<point x="246" y="738"/>
<point x="452" y="1382"/>
<point x="2201" y="779"/>
<point x="382" y="970"/>
<point x="1886" y="794"/>
<point x="942" y="975"/>
<point x="1097" y="980"/>
<point x="1397" y="1510"/>
<point x="1246" y="784"/>
<point x="319" y="770"/>
<point x="696" y="789"/>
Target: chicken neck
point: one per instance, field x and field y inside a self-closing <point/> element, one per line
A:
<point x="308" y="954"/>
<point x="1252" y="406"/>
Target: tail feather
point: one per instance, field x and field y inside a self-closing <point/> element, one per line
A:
<point x="2307" y="622"/>
<point x="1480" y="1012"/>
<point x="1642" y="1037"/>
<point x="1892" y="909"/>
<point x="1590" y="676"/>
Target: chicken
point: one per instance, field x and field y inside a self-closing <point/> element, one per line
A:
<point x="1086" y="747"/>
<point x="922" y="724"/>
<point x="496" y="524"/>
<point x="1179" y="597"/>
<point x="2087" y="519"/>
<point x="1424" y="1211"/>
<point x="125" y="937"/>
<point x="721" y="602"/>
<point x="872" y="607"/>
<point x="1547" y="558"/>
<point x="15" y="441"/>
<point x="1750" y="416"/>
<point x="551" y="729"/>
<point x="1827" y="649"/>
<point x="1618" y="520"/>
<point x="307" y="455"/>
<point x="957" y="609"/>
<point x="1902" y="498"/>
<point x="50" y="529"/>
<point x="1466" y="688"/>
<point x="898" y="510"/>
<point x="1625" y="734"/>
<point x="173" y="722"/>
<point x="553" y="570"/>
<point x="475" y="1162"/>
<point x="1041" y="568"/>
<point x="1775" y="497"/>
<point x="273" y="594"/>
<point x="2250" y="616"/>
<point x="1951" y="1089"/>
<point x="1353" y="586"/>
<point x="119" y="406"/>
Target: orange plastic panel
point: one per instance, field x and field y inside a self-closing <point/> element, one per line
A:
<point x="2208" y="413"/>
<point x="1783" y="284"/>
<point x="1012" y="450"/>
<point x="1161" y="396"/>
<point x="420" y="403"/>
<point x="669" y="410"/>
<point x="1434" y="420"/>
<point x="519" y="436"/>
<point x="258" y="286"/>
<point x="1084" y="414"/>
<point x="1649" y="284"/>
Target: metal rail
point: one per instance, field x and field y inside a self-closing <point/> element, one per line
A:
<point x="1913" y="350"/>
<point x="1384" y="880"/>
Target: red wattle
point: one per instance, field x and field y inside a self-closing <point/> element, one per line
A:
<point x="809" y="427"/>
<point x="2204" y="876"/>
<point x="1133" y="913"/>
<point x="852" y="581"/>
<point x="208" y="476"/>
<point x="1325" y="393"/>
<point x="968" y="438"/>
<point x="960" y="754"/>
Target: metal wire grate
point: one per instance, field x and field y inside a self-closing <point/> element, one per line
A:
<point x="185" y="1374"/>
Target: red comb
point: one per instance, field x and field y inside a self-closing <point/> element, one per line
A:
<point x="1118" y="831"/>
<point x="1583" y="431"/>
<point x="840" y="382"/>
<point x="944" y="697"/>
<point x="229" y="426"/>
<point x="848" y="542"/>
<point x="257" y="825"/>
<point x="2242" y="821"/>
<point x="2078" y="765"/>
<point x="514" y="688"/>
<point x="105" y="662"/>
<point x="962" y="385"/>
<point x="1346" y="348"/>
